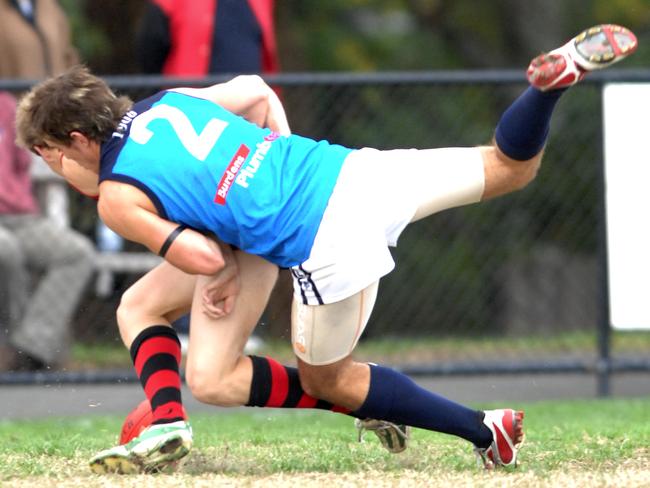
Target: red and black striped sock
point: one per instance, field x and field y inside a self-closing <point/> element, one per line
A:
<point x="276" y="385"/>
<point x="156" y="354"/>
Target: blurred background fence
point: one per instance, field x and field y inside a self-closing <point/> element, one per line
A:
<point x="520" y="281"/>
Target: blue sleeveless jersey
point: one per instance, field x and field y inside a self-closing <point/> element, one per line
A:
<point x="211" y="170"/>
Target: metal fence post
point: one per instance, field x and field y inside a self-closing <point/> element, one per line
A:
<point x="603" y="364"/>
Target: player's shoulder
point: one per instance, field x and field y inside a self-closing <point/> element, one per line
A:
<point x="114" y="194"/>
<point x="118" y="202"/>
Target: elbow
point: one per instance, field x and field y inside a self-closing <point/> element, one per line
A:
<point x="254" y="81"/>
<point x="209" y="264"/>
<point x="197" y="262"/>
<point x="254" y="85"/>
<point x="259" y="87"/>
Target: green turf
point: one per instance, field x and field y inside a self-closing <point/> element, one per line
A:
<point x="586" y="435"/>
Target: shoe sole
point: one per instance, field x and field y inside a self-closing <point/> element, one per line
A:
<point x="393" y="437"/>
<point x="600" y="46"/>
<point x="594" y="48"/>
<point x="393" y="441"/>
<point x="170" y="451"/>
<point x="115" y="464"/>
<point x="159" y="459"/>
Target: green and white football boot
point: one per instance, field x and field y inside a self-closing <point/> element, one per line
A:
<point x="158" y="448"/>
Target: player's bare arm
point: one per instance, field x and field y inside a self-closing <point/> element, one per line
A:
<point x="129" y="212"/>
<point x="248" y="96"/>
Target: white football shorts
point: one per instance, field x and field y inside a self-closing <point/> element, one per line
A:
<point x="376" y="195"/>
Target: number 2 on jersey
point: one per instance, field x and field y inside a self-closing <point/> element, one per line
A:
<point x="198" y="145"/>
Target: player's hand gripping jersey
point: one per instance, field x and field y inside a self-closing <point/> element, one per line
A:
<point x="211" y="170"/>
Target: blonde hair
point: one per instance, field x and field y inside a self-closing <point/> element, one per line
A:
<point x="73" y="101"/>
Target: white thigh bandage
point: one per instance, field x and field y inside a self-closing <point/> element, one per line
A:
<point x="446" y="178"/>
<point x="324" y="334"/>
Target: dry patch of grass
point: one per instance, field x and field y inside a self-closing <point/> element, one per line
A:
<point x="570" y="444"/>
<point x="633" y="473"/>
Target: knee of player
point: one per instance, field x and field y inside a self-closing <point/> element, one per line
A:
<point x="132" y="308"/>
<point x="316" y="389"/>
<point x="209" y="388"/>
<point x="204" y="387"/>
<point x="527" y="172"/>
<point x="125" y="308"/>
<point x="517" y="175"/>
<point x="317" y="384"/>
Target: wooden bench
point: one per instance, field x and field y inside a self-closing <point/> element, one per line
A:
<point x="110" y="263"/>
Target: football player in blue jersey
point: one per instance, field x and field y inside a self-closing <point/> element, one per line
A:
<point x="165" y="293"/>
<point x="183" y="174"/>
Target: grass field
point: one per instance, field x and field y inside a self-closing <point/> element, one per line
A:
<point x="579" y="443"/>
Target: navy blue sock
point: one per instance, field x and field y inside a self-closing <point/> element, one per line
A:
<point x="522" y="131"/>
<point x="396" y="398"/>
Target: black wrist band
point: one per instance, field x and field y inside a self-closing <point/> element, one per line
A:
<point x="170" y="238"/>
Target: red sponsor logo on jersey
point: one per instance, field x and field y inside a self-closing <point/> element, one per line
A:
<point x="229" y="175"/>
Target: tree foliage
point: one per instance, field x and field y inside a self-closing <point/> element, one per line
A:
<point x="362" y="35"/>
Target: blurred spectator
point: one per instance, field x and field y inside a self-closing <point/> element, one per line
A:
<point x="44" y="265"/>
<point x="34" y="39"/>
<point x="35" y="42"/>
<point x="34" y="327"/>
<point x="179" y="38"/>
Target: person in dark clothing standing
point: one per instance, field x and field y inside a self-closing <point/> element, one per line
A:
<point x="202" y="37"/>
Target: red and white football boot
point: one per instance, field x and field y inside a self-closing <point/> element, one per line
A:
<point x="506" y="426"/>
<point x="595" y="48"/>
